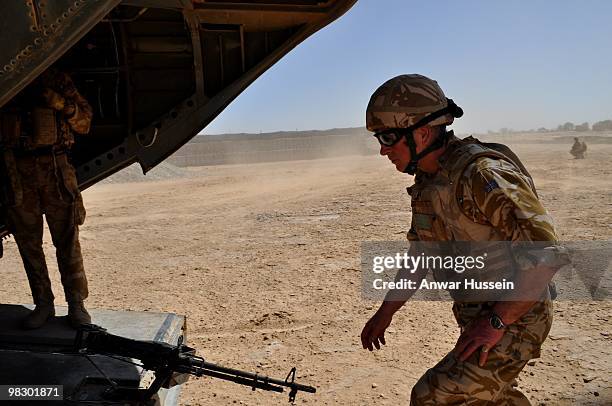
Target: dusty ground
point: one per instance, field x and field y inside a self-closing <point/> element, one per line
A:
<point x="264" y="261"/>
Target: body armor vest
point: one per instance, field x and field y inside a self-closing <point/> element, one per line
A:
<point x="442" y="210"/>
<point x="27" y="123"/>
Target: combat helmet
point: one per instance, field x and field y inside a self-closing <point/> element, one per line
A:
<point x="403" y="104"/>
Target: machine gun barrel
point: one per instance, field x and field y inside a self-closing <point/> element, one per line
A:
<point x="251" y="379"/>
<point x="165" y="359"/>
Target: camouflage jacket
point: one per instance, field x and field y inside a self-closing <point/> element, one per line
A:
<point x="76" y="114"/>
<point x="55" y="94"/>
<point x="479" y="195"/>
<point x="477" y="198"/>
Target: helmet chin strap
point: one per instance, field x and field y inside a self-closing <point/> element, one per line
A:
<point x="438" y="143"/>
<point x="451" y="108"/>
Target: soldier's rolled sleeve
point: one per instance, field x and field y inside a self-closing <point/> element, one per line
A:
<point x="78" y="111"/>
<point x="80" y="120"/>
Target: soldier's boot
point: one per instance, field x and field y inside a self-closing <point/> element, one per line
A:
<point x="77" y="314"/>
<point x="39" y="316"/>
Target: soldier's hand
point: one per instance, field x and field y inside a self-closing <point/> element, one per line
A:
<point x="373" y="333"/>
<point x="53" y="99"/>
<point x="478" y="334"/>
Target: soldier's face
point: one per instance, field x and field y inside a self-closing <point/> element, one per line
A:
<point x="399" y="153"/>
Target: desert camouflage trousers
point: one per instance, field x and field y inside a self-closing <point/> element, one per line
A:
<point x="48" y="186"/>
<point x="452" y="382"/>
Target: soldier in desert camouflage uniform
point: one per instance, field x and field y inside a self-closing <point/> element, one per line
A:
<point x="578" y="149"/>
<point x="464" y="191"/>
<point x="37" y="132"/>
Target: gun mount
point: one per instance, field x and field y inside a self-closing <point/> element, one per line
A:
<point x="142" y="359"/>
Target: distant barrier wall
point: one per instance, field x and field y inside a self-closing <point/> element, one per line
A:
<point x="250" y="148"/>
<point x="221" y="152"/>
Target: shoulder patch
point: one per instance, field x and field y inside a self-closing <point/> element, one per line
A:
<point x="491" y="186"/>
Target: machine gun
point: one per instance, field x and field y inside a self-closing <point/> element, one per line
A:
<point x="171" y="364"/>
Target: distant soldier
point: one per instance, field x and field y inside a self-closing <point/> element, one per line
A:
<point x="578" y="149"/>
<point x="37" y="131"/>
<point x="464" y="191"/>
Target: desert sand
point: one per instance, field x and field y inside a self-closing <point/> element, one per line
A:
<point x="264" y="260"/>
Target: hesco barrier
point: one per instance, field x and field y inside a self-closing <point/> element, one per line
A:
<point x="251" y="150"/>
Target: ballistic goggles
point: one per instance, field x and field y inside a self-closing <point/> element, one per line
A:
<point x="392" y="136"/>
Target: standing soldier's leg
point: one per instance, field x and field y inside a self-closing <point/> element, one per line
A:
<point x="65" y="236"/>
<point x="62" y="205"/>
<point x="27" y="223"/>
<point x="29" y="242"/>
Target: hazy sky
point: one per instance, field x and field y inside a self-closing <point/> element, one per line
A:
<point x="519" y="64"/>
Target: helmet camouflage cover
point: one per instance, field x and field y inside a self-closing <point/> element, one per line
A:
<point x="403" y="100"/>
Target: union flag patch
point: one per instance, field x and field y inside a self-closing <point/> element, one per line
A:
<point x="490" y="186"/>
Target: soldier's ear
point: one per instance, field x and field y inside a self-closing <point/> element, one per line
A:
<point x="427" y="134"/>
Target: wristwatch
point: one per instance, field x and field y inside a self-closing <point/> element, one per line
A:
<point x="496" y="322"/>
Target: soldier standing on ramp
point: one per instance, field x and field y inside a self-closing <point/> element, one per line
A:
<point x="36" y="133"/>
<point x="408" y="115"/>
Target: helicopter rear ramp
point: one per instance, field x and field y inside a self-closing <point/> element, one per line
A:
<point x="44" y="357"/>
<point x="156" y="72"/>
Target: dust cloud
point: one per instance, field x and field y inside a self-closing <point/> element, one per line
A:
<point x="264" y="259"/>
